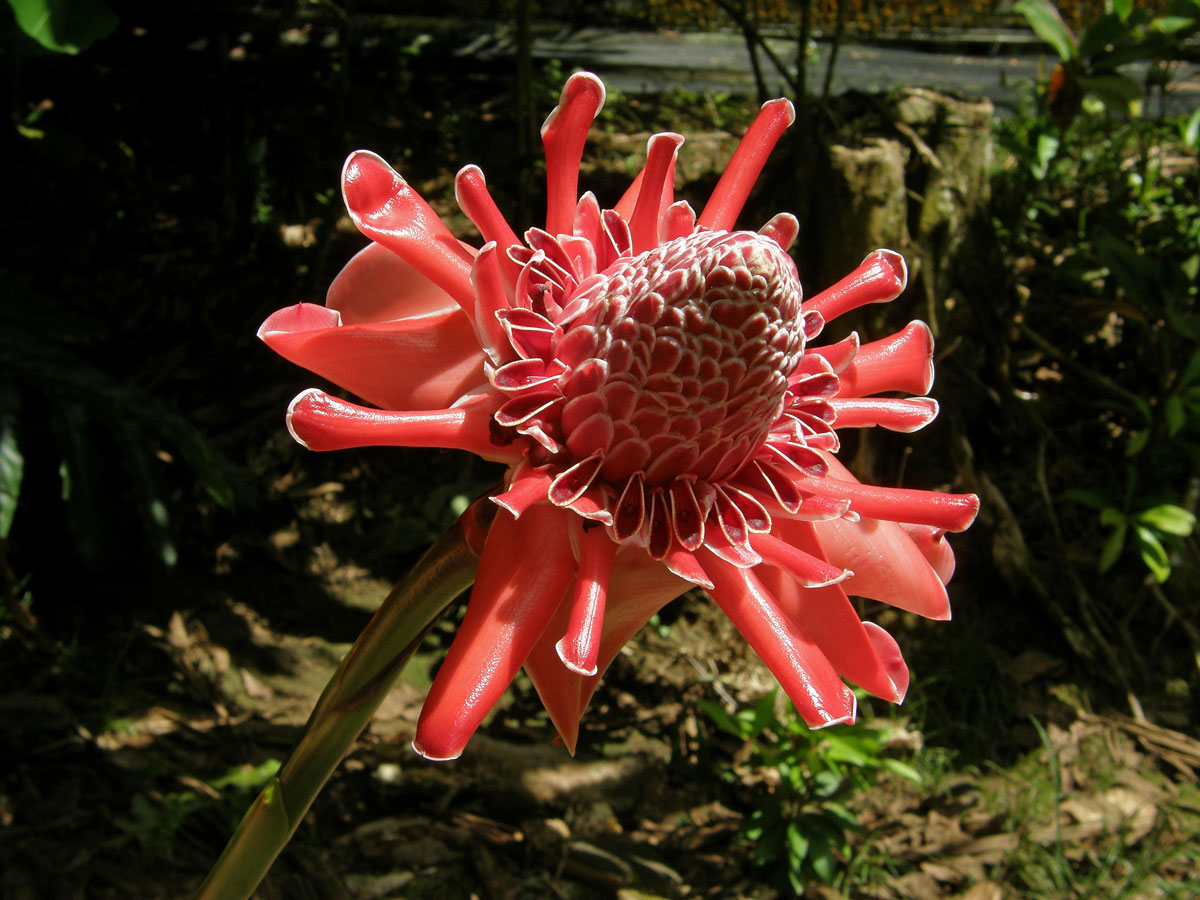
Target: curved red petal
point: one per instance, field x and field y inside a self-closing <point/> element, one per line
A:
<point x="426" y="361"/>
<point x="378" y="286"/>
<point x="787" y="650"/>
<point x="830" y="619"/>
<point x="321" y="422"/>
<point x="934" y="547"/>
<point x="563" y="136"/>
<point x="880" y="278"/>
<point x="729" y="196"/>
<point x="508" y="611"/>
<point x="579" y="648"/>
<point x="656" y="191"/>
<point x="889" y="652"/>
<point x="903" y="414"/>
<point x="887" y="565"/>
<point x="953" y="512"/>
<point x="386" y="209"/>
<point x="638" y="587"/>
<point x="902" y="362"/>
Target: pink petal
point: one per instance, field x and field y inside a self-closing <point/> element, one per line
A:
<point x="388" y="211"/>
<point x="829" y="617"/>
<point x="656" y="191"/>
<point x="378" y="286"/>
<point x="743" y="170"/>
<point x="887" y="566"/>
<point x="579" y="648"/>
<point x="321" y="422"/>
<point x="902" y="362"/>
<point x="563" y="136"/>
<point x="934" y="547"/>
<point x="474" y="199"/>
<point x="426" y="361"/>
<point x="638" y="587"/>
<point x="953" y="512"/>
<point x="679" y="220"/>
<point x="509" y="608"/>
<point x="880" y="278"/>
<point x="903" y="414"/>
<point x="787" y="649"/>
<point x="783" y="229"/>
<point x="889" y="652"/>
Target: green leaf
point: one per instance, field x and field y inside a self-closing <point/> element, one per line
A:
<point x="1122" y="8"/>
<point x="1191" y="372"/>
<point x="1111" y="516"/>
<point x="1172" y="25"/>
<point x="840" y="815"/>
<point x="763" y="712"/>
<point x="1047" y="24"/>
<point x="1175" y="413"/>
<point x="1191" y="130"/>
<point x="797" y="845"/>
<point x="822" y="859"/>
<point x="722" y="719"/>
<point x="246" y="778"/>
<point x="1111" y="551"/>
<point x="64" y="26"/>
<point x="1137" y="443"/>
<point x="1169" y="519"/>
<point x="1047" y="147"/>
<point x="12" y="469"/>
<point x="769" y="847"/>
<point x="903" y="769"/>
<point x="796" y="880"/>
<point x="827" y="783"/>
<point x="1154" y="555"/>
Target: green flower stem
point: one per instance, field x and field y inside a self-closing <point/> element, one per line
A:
<point x="348" y="702"/>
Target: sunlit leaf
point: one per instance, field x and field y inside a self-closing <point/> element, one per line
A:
<point x="12" y="469"/>
<point x="1169" y="519"/>
<point x="1047" y="24"/>
<point x="64" y="26"/>
<point x="1137" y="443"/>
<point x="903" y="769"/>
<point x="1154" y="555"/>
<point x="797" y="845"/>
<point x="1047" y="147"/>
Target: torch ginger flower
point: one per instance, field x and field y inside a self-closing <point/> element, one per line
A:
<point x="649" y="378"/>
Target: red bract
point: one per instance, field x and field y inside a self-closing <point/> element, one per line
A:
<point x="649" y="377"/>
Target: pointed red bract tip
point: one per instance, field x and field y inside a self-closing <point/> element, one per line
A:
<point x="563" y="135"/>
<point x="783" y="229"/>
<point x="729" y="196"/>
<point x="474" y="199"/>
<point x="656" y="191"/>
<point x="296" y="319"/>
<point x="368" y="182"/>
<point x="905" y="415"/>
<point x="880" y="278"/>
<point x="900" y="362"/>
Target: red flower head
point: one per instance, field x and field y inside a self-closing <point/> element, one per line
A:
<point x="649" y="377"/>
